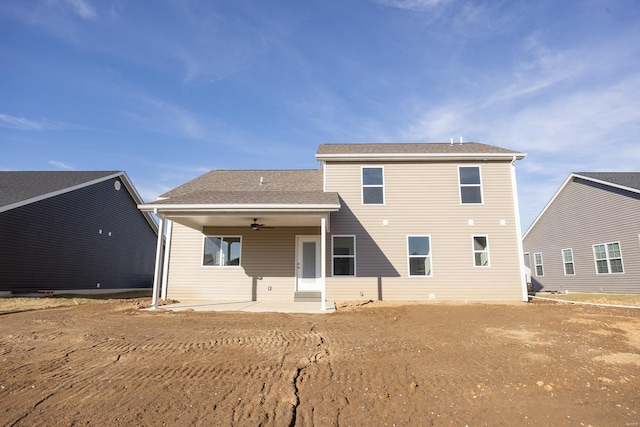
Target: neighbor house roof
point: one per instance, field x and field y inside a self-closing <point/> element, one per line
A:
<point x="625" y="180"/>
<point x="435" y="150"/>
<point x="242" y="188"/>
<point x="20" y="188"/>
<point x="629" y="181"/>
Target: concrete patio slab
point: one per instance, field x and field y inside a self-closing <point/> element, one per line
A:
<point x="251" y="306"/>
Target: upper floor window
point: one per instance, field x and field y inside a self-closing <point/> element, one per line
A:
<point x="567" y="260"/>
<point x="372" y="186"/>
<point x="221" y="251"/>
<point x="608" y="258"/>
<point x="470" y="184"/>
<point x="344" y="255"/>
<point x="419" y="253"/>
<point x="537" y="261"/>
<point x="481" y="251"/>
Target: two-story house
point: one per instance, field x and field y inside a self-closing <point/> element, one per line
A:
<point x="403" y="222"/>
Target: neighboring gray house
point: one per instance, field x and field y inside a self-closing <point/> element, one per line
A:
<point x="587" y="238"/>
<point x="403" y="222"/>
<point x="73" y="231"/>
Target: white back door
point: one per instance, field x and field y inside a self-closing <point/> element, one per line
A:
<point x="308" y="263"/>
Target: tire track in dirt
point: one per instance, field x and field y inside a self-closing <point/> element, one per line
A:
<point x="81" y="376"/>
<point x="430" y="365"/>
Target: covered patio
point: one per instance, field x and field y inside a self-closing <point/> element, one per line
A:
<point x="264" y="241"/>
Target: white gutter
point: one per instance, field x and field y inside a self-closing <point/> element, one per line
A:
<point x="323" y="263"/>
<point x="165" y="267"/>
<point x="516" y="207"/>
<point x="157" y="276"/>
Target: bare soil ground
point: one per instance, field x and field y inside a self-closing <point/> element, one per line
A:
<point x="379" y="364"/>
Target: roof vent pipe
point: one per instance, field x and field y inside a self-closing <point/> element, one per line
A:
<point x="461" y="141"/>
<point x="451" y="141"/>
<point x="261" y="181"/>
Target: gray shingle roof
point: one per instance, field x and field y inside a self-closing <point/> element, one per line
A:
<point x="244" y="187"/>
<point x="624" y="179"/>
<point x="16" y="187"/>
<point x="413" y="148"/>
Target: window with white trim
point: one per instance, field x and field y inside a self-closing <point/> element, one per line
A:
<point x="608" y="258"/>
<point x="221" y="251"/>
<point x="470" y="184"/>
<point x="372" y="186"/>
<point x="567" y="261"/>
<point x="343" y="255"/>
<point x="419" y="255"/>
<point x="481" y="251"/>
<point x="537" y="262"/>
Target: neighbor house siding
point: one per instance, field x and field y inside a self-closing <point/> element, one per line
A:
<point x="422" y="198"/>
<point x="87" y="239"/>
<point x="268" y="261"/>
<point x="582" y="214"/>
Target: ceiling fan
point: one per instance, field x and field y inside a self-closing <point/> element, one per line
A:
<point x="257" y="227"/>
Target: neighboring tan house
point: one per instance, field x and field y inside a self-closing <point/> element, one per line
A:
<point x="73" y="231"/>
<point x="401" y="222"/>
<point x="587" y="238"/>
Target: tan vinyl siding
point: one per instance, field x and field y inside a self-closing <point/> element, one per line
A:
<point x="268" y="260"/>
<point x="583" y="214"/>
<point x="423" y="199"/>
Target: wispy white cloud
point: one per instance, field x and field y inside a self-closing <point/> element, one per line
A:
<point x="414" y="5"/>
<point x="163" y="117"/>
<point x="21" y="123"/>
<point x="158" y="116"/>
<point x="83" y="8"/>
<point x="61" y="165"/>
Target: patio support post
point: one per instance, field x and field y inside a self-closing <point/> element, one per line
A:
<point x="323" y="262"/>
<point x="158" y="270"/>
<point x="165" y="267"/>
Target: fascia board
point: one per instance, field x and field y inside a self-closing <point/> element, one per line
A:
<point x="57" y="192"/>
<point x="237" y="208"/>
<point x="414" y="156"/>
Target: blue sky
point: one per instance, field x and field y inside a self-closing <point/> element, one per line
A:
<point x="167" y="90"/>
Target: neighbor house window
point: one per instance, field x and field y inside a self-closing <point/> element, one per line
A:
<point x="608" y="258"/>
<point x="537" y="262"/>
<point x="470" y="184"/>
<point x="221" y="251"/>
<point x="567" y="260"/>
<point x="373" y="186"/>
<point x="343" y="254"/>
<point x="419" y="254"/>
<point x="481" y="251"/>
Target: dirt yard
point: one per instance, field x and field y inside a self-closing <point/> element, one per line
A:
<point x="114" y="364"/>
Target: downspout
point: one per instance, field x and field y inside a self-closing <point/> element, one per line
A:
<point x="157" y="277"/>
<point x="323" y="262"/>
<point x="516" y="207"/>
<point x="165" y="267"/>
